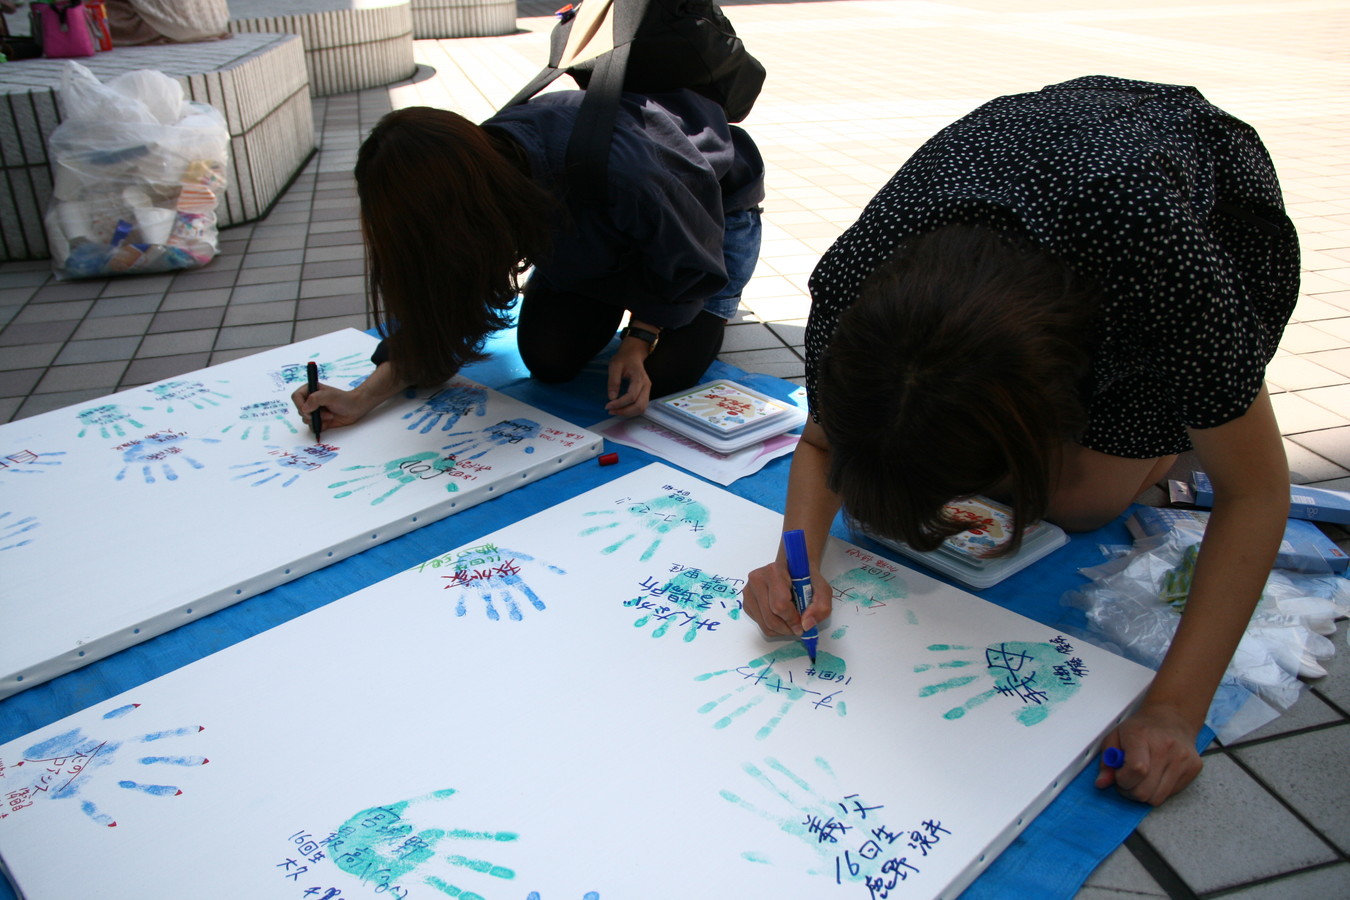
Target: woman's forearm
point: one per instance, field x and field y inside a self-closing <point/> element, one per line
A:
<point x="1245" y="461"/>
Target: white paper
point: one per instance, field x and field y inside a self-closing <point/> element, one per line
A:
<point x="124" y="517"/>
<point x="574" y="707"/>
<point x="723" y="468"/>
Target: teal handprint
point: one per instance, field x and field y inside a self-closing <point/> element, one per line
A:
<point x="194" y="393"/>
<point x="403" y="471"/>
<point x="786" y="675"/>
<point x="659" y="517"/>
<point x="793" y="805"/>
<point x="691" y="600"/>
<point x="1033" y="677"/>
<point x="108" y="419"/>
<point x="854" y="837"/>
<point x="262" y="417"/>
<point x="867" y="588"/>
<point x="390" y="846"/>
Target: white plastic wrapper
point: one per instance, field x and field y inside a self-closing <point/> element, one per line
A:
<point x="139" y="171"/>
<point x="1135" y="602"/>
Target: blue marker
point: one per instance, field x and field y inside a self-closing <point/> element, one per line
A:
<point x="799" y="567"/>
<point x="1113" y="757"/>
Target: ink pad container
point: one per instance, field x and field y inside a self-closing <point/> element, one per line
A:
<point x="725" y="416"/>
<point x="965" y="556"/>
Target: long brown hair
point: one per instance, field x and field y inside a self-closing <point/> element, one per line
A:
<point x="958" y="371"/>
<point x="449" y="225"/>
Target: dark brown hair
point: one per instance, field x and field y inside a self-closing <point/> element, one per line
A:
<point x="449" y="223"/>
<point x="957" y="372"/>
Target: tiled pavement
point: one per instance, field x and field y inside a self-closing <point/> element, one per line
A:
<point x="855" y="86"/>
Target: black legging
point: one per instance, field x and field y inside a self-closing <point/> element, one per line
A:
<point x="559" y="332"/>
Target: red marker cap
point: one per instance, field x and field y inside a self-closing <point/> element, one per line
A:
<point x="609" y="459"/>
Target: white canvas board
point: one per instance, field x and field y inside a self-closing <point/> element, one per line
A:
<point x="575" y="707"/>
<point x="126" y="516"/>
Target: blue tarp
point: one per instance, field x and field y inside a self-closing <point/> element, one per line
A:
<point x="1050" y="859"/>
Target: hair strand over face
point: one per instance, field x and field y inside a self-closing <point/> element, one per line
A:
<point x="449" y="225"/>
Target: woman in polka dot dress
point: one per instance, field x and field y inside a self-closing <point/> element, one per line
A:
<point x="1050" y="300"/>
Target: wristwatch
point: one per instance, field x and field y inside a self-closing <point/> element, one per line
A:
<point x="642" y="334"/>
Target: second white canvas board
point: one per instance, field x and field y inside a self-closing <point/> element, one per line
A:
<point x="575" y="707"/>
<point x="126" y="516"/>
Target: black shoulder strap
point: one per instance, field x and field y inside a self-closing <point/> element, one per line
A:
<point x="547" y="76"/>
<point x="587" y="159"/>
<point x="588" y="148"/>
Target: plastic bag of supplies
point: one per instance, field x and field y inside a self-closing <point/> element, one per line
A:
<point x="1135" y="603"/>
<point x="138" y="172"/>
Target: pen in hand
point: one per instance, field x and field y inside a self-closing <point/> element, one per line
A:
<point x="315" y="419"/>
<point x="799" y="568"/>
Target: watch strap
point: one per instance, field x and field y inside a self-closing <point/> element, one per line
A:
<point x="642" y="334"/>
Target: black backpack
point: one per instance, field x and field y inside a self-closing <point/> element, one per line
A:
<point x="659" y="45"/>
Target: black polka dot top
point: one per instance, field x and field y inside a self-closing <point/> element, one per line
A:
<point x="1168" y="203"/>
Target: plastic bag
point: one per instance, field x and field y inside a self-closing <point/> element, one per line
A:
<point x="1135" y="603"/>
<point x="139" y="171"/>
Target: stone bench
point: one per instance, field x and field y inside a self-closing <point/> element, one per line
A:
<point x="258" y="81"/>
<point x="464" y="18"/>
<point x="350" y="45"/>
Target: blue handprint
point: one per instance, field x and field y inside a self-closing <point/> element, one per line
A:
<point x="27" y="462"/>
<point x="108" y="418"/>
<point x="159" y="447"/>
<point x="509" y="431"/>
<point x="659" y="516"/>
<point x="11" y="530"/>
<point x="494" y="574"/>
<point x="66" y="766"/>
<point x="446" y="407"/>
<point x="194" y="393"/>
<point x="267" y="413"/>
<point x="295" y="461"/>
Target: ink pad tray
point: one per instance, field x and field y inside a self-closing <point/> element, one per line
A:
<point x="965" y="557"/>
<point x="725" y="416"/>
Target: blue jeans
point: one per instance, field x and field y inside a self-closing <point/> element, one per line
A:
<point x="740" y="252"/>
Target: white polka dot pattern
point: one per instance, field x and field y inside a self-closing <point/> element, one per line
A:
<point x="1168" y="203"/>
